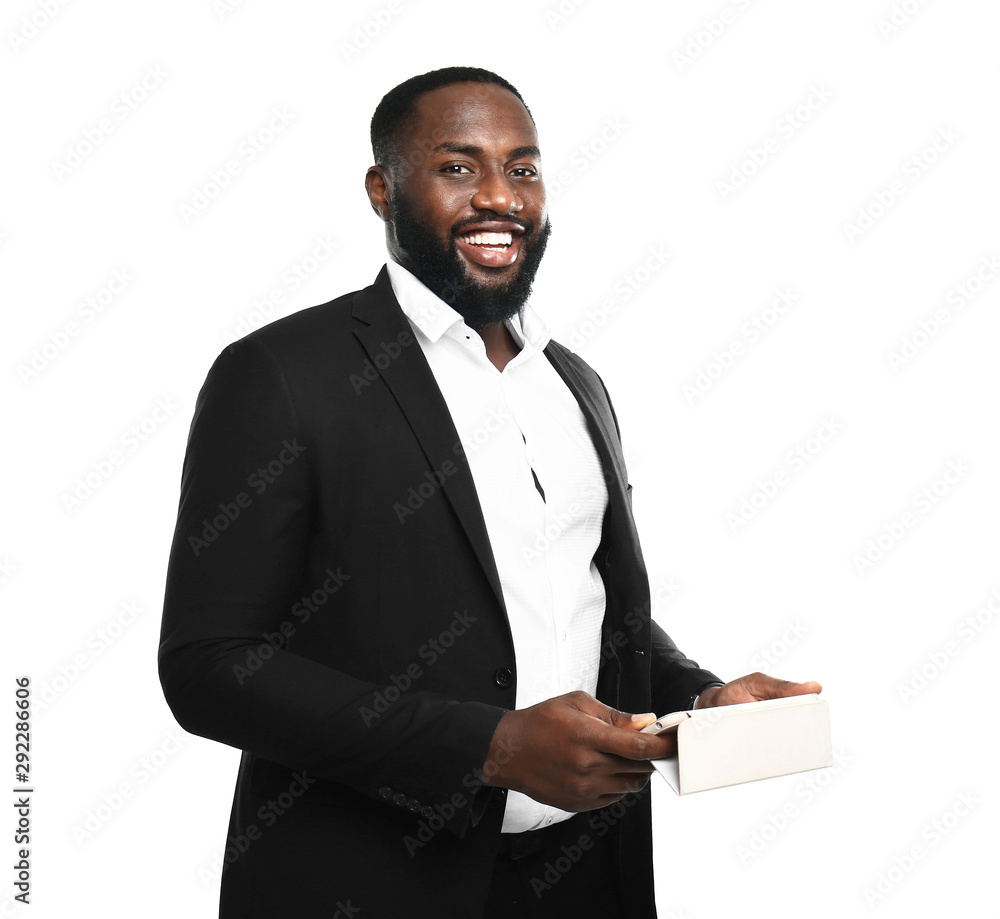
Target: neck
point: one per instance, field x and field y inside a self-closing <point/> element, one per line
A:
<point x="500" y="345"/>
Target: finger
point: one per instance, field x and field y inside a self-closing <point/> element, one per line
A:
<point x="626" y="787"/>
<point x="788" y="688"/>
<point x="588" y="705"/>
<point x="625" y="767"/>
<point x="635" y="746"/>
<point x="760" y="686"/>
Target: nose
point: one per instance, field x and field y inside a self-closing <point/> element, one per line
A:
<point x="495" y="192"/>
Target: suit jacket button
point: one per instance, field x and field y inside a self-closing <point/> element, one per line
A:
<point x="385" y="792"/>
<point x="503" y="677"/>
<point x="399" y="799"/>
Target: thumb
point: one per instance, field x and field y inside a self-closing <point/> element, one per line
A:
<point x="631" y="722"/>
<point x="597" y="709"/>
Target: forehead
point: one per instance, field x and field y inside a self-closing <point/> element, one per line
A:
<point x="480" y="114"/>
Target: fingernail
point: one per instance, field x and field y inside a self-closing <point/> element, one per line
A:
<point x="649" y="716"/>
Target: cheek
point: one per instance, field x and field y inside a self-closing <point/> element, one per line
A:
<point x="535" y="206"/>
<point x="440" y="213"/>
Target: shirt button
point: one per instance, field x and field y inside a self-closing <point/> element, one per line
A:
<point x="427" y="811"/>
<point x="399" y="799"/>
<point x="413" y="805"/>
<point x="385" y="792"/>
<point x="503" y="677"/>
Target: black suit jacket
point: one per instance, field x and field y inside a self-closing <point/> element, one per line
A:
<point x="333" y="609"/>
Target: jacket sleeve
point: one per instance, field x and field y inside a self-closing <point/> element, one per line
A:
<point x="236" y="564"/>
<point x="676" y="681"/>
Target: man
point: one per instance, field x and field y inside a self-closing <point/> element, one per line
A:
<point x="405" y="569"/>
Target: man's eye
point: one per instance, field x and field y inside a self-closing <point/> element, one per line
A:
<point x="455" y="169"/>
<point x="521" y="171"/>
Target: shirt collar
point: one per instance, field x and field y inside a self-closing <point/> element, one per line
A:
<point x="432" y="316"/>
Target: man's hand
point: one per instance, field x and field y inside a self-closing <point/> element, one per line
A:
<point x="573" y="752"/>
<point x="753" y="688"/>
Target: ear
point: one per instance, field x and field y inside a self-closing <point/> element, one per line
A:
<point x="378" y="183"/>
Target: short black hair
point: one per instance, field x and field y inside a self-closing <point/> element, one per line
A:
<point x="397" y="106"/>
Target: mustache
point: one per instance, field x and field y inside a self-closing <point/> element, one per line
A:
<point x="527" y="225"/>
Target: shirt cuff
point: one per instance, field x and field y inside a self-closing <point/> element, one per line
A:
<point x="701" y="689"/>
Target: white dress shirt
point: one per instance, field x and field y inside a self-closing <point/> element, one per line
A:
<point x="522" y="426"/>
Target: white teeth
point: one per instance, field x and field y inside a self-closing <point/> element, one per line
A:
<point x="489" y="239"/>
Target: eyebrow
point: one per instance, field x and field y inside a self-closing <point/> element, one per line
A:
<point x="473" y="150"/>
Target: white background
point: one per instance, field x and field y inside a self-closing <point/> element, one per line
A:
<point x="643" y="110"/>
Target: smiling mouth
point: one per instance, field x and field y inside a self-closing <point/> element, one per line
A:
<point x="495" y="242"/>
<point x="491" y="249"/>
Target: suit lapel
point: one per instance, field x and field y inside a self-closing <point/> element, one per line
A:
<point x="412" y="384"/>
<point x="600" y="422"/>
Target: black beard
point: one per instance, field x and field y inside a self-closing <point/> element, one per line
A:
<point x="442" y="271"/>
